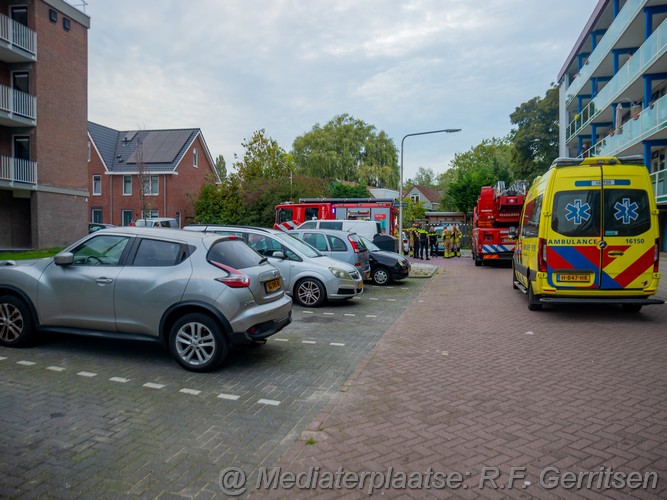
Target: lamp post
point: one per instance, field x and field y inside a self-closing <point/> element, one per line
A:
<point x="400" y="192"/>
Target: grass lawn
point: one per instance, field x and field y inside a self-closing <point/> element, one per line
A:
<point x="29" y="254"/>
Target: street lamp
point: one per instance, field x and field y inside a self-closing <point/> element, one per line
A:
<point x="400" y="192"/>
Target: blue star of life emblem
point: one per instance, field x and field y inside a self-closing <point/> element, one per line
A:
<point x="577" y="212"/>
<point x="626" y="211"/>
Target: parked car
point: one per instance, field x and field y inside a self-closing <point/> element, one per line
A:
<point x="339" y="245"/>
<point x="365" y="228"/>
<point x="195" y="293"/>
<point x="310" y="277"/>
<point x="96" y="226"/>
<point x="156" y="222"/>
<point x="386" y="266"/>
<point x="406" y="243"/>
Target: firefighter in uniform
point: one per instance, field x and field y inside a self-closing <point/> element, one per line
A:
<point x="457" y="240"/>
<point x="433" y="241"/>
<point x="423" y="243"/>
<point x="447" y="239"/>
<point x="415" y="240"/>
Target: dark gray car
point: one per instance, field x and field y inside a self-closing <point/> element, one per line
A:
<point x="196" y="293"/>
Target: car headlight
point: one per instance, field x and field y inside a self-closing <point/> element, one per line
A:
<point x="403" y="263"/>
<point x="340" y="273"/>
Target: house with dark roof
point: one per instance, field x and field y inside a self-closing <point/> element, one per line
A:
<point x="146" y="173"/>
<point x="426" y="194"/>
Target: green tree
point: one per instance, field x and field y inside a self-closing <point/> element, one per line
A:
<point x="263" y="159"/>
<point x="221" y="167"/>
<point x="347" y="149"/>
<point x="483" y="165"/>
<point x="424" y="177"/>
<point x="220" y="203"/>
<point x="339" y="190"/>
<point x="535" y="140"/>
<point x="414" y="211"/>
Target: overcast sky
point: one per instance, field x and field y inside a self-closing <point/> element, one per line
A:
<point x="234" y="67"/>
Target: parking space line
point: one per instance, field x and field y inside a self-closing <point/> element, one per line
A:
<point x="350" y="314"/>
<point x="151" y="385"/>
<point x="336" y="343"/>
<point x="271" y="402"/>
<point x="280" y="339"/>
<point x="373" y="298"/>
<point x="328" y="314"/>
<point x="371" y="316"/>
<point x="26" y="363"/>
<point x="55" y="368"/>
<point x="87" y="374"/>
<point x="194" y="392"/>
<point x="307" y="312"/>
<point x="2" y="358"/>
<point x="231" y="397"/>
<point x="308" y="342"/>
<point x="119" y="379"/>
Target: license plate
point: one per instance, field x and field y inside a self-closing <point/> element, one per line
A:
<point x="273" y="285"/>
<point x="573" y="278"/>
<point x="360" y="285"/>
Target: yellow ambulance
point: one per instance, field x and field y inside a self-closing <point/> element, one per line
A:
<point x="589" y="234"/>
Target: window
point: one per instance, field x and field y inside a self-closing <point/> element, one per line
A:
<point x="127" y="185"/>
<point x="151" y="185"/>
<point x="338" y="225"/>
<point x="97" y="187"/>
<point x="158" y="253"/>
<point x="20" y="15"/>
<point x="284" y="215"/>
<point x="338" y="245"/>
<point x="22" y="147"/>
<point x="96" y="215"/>
<point x="104" y="250"/>
<point x="195" y="158"/>
<point x="531" y="218"/>
<point x="66" y="24"/>
<point x="317" y="240"/>
<point x="311" y="214"/>
<point x="178" y="219"/>
<point x="53" y="16"/>
<point x="626" y="212"/>
<point x="415" y="198"/>
<point x="576" y="213"/>
<point x="21" y="81"/>
<point x="150" y="214"/>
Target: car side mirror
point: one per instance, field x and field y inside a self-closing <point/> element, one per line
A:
<point x="64" y="259"/>
<point x="278" y="255"/>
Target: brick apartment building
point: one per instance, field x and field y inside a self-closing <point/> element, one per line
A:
<point x="43" y="123"/>
<point x="171" y="165"/>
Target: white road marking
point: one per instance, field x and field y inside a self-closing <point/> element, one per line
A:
<point x="529" y="333"/>
<point x="308" y="342"/>
<point x="55" y="368"/>
<point x="391" y="300"/>
<point x="373" y="298"/>
<point x="371" y="316"/>
<point x="26" y="363"/>
<point x="307" y="312"/>
<point x="271" y="402"/>
<point x="119" y="379"/>
<point x="87" y="374"/>
<point x="2" y="358"/>
<point x="231" y="397"/>
<point x="328" y="314"/>
<point x="151" y="385"/>
<point x="350" y="314"/>
<point x="194" y="392"/>
<point x="280" y="339"/>
<point x="336" y="343"/>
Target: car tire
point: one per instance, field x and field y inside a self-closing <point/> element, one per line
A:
<point x="309" y="292"/>
<point x="381" y="276"/>
<point x="478" y="260"/>
<point x="632" y="308"/>
<point x="197" y="342"/>
<point x="17" y="328"/>
<point x="533" y="303"/>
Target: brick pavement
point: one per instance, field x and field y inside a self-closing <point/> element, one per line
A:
<point x="468" y="378"/>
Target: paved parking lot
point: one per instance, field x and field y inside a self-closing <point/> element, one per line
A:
<point x="101" y="418"/>
<point x="451" y="375"/>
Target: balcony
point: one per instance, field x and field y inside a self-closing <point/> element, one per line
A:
<point x="18" y="43"/>
<point x="17" y="109"/>
<point x="15" y="170"/>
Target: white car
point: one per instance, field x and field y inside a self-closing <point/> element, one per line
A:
<point x="311" y="278"/>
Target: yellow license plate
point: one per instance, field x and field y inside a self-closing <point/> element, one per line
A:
<point x="273" y="285"/>
<point x="573" y="278"/>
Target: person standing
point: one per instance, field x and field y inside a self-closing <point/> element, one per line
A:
<point x="457" y="240"/>
<point x="433" y="241"/>
<point x="423" y="243"/>
<point x="416" y="240"/>
<point x="447" y="236"/>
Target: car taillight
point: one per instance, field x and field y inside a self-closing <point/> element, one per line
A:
<point x="542" y="255"/>
<point x="236" y="279"/>
<point x="656" y="256"/>
<point x="355" y="247"/>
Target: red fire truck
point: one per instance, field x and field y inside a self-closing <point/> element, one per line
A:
<point x="498" y="208"/>
<point x="382" y="210"/>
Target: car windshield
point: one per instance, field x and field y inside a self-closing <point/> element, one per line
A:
<point x="369" y="244"/>
<point x="298" y="245"/>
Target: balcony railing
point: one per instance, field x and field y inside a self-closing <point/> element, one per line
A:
<point x="18" y="103"/>
<point x="18" y="35"/>
<point x="651" y="50"/>
<point x="659" y="181"/>
<point x="612" y="35"/>
<point x="17" y="170"/>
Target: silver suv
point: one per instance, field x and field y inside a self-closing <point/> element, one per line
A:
<point x="196" y="293"/>
<point x="311" y="277"/>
